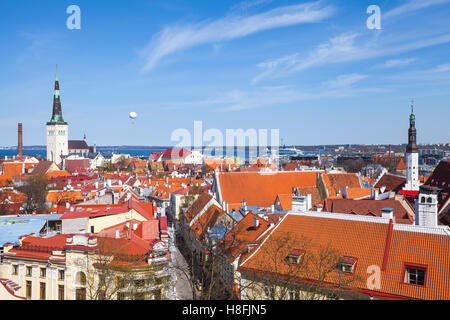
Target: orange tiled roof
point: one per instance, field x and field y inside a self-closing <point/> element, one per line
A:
<point x="12" y="169"/>
<point x="207" y="220"/>
<point x="401" y="165"/>
<point x="335" y="182"/>
<point x="261" y="188"/>
<point x="285" y="201"/>
<point x="355" y="193"/>
<point x="368" y="243"/>
<point x="53" y="174"/>
<point x="244" y="232"/>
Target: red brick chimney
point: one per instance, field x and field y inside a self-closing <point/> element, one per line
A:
<point x="20" y="144"/>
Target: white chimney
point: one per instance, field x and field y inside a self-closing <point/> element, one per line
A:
<point x="344" y="192"/>
<point x="256" y="223"/>
<point x="387" y="213"/>
<point x="374" y="194"/>
<point x="273" y="208"/>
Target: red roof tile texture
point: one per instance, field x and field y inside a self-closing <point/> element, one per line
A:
<point x="366" y="241"/>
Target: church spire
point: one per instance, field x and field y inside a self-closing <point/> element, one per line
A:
<point x="57" y="117"/>
<point x="412" y="132"/>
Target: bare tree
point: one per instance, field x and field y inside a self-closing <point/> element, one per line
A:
<point x="289" y="267"/>
<point x="115" y="274"/>
<point x="35" y="189"/>
<point x="5" y="207"/>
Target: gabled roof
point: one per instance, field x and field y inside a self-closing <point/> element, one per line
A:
<point x="335" y="182"/>
<point x="94" y="213"/>
<point x="261" y="188"/>
<point x="44" y="167"/>
<point x="197" y="206"/>
<point x="206" y="221"/>
<point x="373" y="242"/>
<point x="440" y="178"/>
<point x="368" y="207"/>
<point x="236" y="241"/>
<point x="391" y="182"/>
<point x="173" y="154"/>
<point x="77" y="144"/>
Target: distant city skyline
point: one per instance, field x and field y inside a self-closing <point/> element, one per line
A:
<point x="311" y="69"/>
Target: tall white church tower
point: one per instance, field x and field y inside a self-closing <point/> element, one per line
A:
<point x="57" y="130"/>
<point x="412" y="156"/>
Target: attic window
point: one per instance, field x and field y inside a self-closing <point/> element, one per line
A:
<point x="295" y="256"/>
<point x="347" y="264"/>
<point x="415" y="274"/>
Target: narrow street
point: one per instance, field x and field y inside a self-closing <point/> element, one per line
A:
<point x="182" y="286"/>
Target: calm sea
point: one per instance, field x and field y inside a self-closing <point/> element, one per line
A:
<point x="240" y="153"/>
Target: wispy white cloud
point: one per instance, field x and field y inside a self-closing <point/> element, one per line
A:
<point x="411" y="6"/>
<point x="393" y="63"/>
<point x="343" y="48"/>
<point x="346" y="80"/>
<point x="173" y="39"/>
<point x="441" y="68"/>
<point x="270" y="97"/>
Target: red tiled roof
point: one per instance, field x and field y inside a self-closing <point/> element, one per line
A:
<point x="175" y="154"/>
<point x="367" y="207"/>
<point x="367" y="242"/>
<point x="391" y="182"/>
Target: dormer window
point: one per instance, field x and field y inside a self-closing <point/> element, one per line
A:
<point x="415" y="274"/>
<point x="347" y="264"/>
<point x="295" y="256"/>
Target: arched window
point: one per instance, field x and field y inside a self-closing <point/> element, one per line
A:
<point x="422" y="200"/>
<point x="81" y="279"/>
<point x="429" y="200"/>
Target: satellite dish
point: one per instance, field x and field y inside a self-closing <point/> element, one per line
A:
<point x="133" y="115"/>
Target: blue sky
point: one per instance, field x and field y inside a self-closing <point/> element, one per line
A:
<point x="311" y="69"/>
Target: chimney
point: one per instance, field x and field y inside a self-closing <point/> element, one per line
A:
<point x="273" y="208"/>
<point x="344" y="192"/>
<point x="256" y="223"/>
<point x="387" y="213"/>
<point x="374" y="194"/>
<point x="20" y="142"/>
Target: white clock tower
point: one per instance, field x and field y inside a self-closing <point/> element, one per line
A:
<point x="412" y="156"/>
<point x="57" y="130"/>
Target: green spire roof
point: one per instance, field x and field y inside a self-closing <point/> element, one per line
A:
<point x="57" y="117"/>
